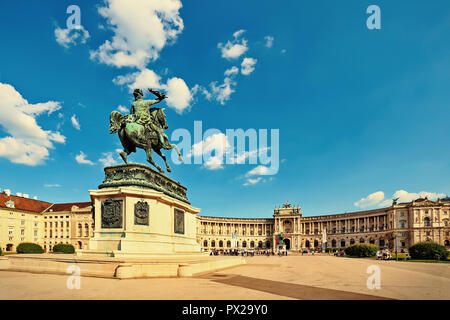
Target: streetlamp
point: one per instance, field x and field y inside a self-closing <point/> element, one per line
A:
<point x="396" y="245"/>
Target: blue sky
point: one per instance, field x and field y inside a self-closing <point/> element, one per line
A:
<point x="362" y="114"/>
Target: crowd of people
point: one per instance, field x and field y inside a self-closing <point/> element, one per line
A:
<point x="248" y="252"/>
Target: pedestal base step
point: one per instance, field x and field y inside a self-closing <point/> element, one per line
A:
<point x="119" y="268"/>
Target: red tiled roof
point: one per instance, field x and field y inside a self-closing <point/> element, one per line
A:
<point x="59" y="207"/>
<point x="24" y="204"/>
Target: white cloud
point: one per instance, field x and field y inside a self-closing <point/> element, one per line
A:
<point x="222" y="92"/>
<point x="232" y="71"/>
<point x="145" y="78"/>
<point x="108" y="159"/>
<point x="269" y="41"/>
<point x="248" y="66"/>
<point x="141" y="30"/>
<point x="75" y="122"/>
<point x="235" y="48"/>
<point x="67" y="37"/>
<point x="238" y="33"/>
<point x="405" y="196"/>
<point x="81" y="159"/>
<point x="54" y="185"/>
<point x="370" y="200"/>
<point x="283" y="51"/>
<point x="214" y="163"/>
<point x="240" y="158"/>
<point x="259" y="170"/>
<point x="179" y="97"/>
<point x="213" y="149"/>
<point x="250" y="182"/>
<point x="123" y="109"/>
<point x="28" y="143"/>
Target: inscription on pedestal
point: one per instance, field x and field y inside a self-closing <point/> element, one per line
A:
<point x="112" y="213"/>
<point x="141" y="213"/>
<point x="179" y="221"/>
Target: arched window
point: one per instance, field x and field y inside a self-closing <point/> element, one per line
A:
<point x="361" y="240"/>
<point x="260" y="245"/>
<point x="220" y="244"/>
<point x="342" y="243"/>
<point x="252" y="244"/>
<point x="333" y="243"/>
<point x="228" y="244"/>
<point x="244" y="244"/>
<point x="372" y="241"/>
<point x="352" y="241"/>
<point x="80" y="230"/>
<point x="307" y="243"/>
<point x="268" y="244"/>
<point x="381" y="242"/>
<point x="86" y="230"/>
<point x="205" y="243"/>
<point x="213" y="243"/>
<point x="427" y="222"/>
<point x="316" y="243"/>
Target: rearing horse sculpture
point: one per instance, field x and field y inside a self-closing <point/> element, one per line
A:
<point x="133" y="135"/>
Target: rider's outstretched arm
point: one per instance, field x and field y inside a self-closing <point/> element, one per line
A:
<point x="159" y="97"/>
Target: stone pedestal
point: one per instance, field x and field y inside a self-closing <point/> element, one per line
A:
<point x="139" y="212"/>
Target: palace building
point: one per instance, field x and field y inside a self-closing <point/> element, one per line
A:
<point x="30" y="220"/>
<point x="407" y="223"/>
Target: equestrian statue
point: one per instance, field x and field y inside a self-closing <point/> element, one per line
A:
<point x="143" y="128"/>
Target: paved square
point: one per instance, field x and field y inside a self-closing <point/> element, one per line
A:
<point x="291" y="277"/>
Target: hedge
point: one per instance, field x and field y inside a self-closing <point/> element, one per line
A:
<point x="27" y="247"/>
<point x="64" y="248"/>
<point x="361" y="250"/>
<point x="428" y="251"/>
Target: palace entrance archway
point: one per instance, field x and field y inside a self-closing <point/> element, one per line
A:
<point x="287" y="242"/>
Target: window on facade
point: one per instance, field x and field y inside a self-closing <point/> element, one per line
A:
<point x="427" y="222"/>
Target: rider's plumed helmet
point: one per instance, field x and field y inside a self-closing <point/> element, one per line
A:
<point x="137" y="92"/>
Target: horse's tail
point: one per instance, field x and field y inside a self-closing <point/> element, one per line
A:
<point x="116" y="120"/>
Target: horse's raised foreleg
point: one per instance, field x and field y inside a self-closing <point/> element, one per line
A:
<point x="158" y="151"/>
<point x="174" y="146"/>
<point x="148" y="151"/>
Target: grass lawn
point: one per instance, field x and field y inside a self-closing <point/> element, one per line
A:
<point x="8" y="253"/>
